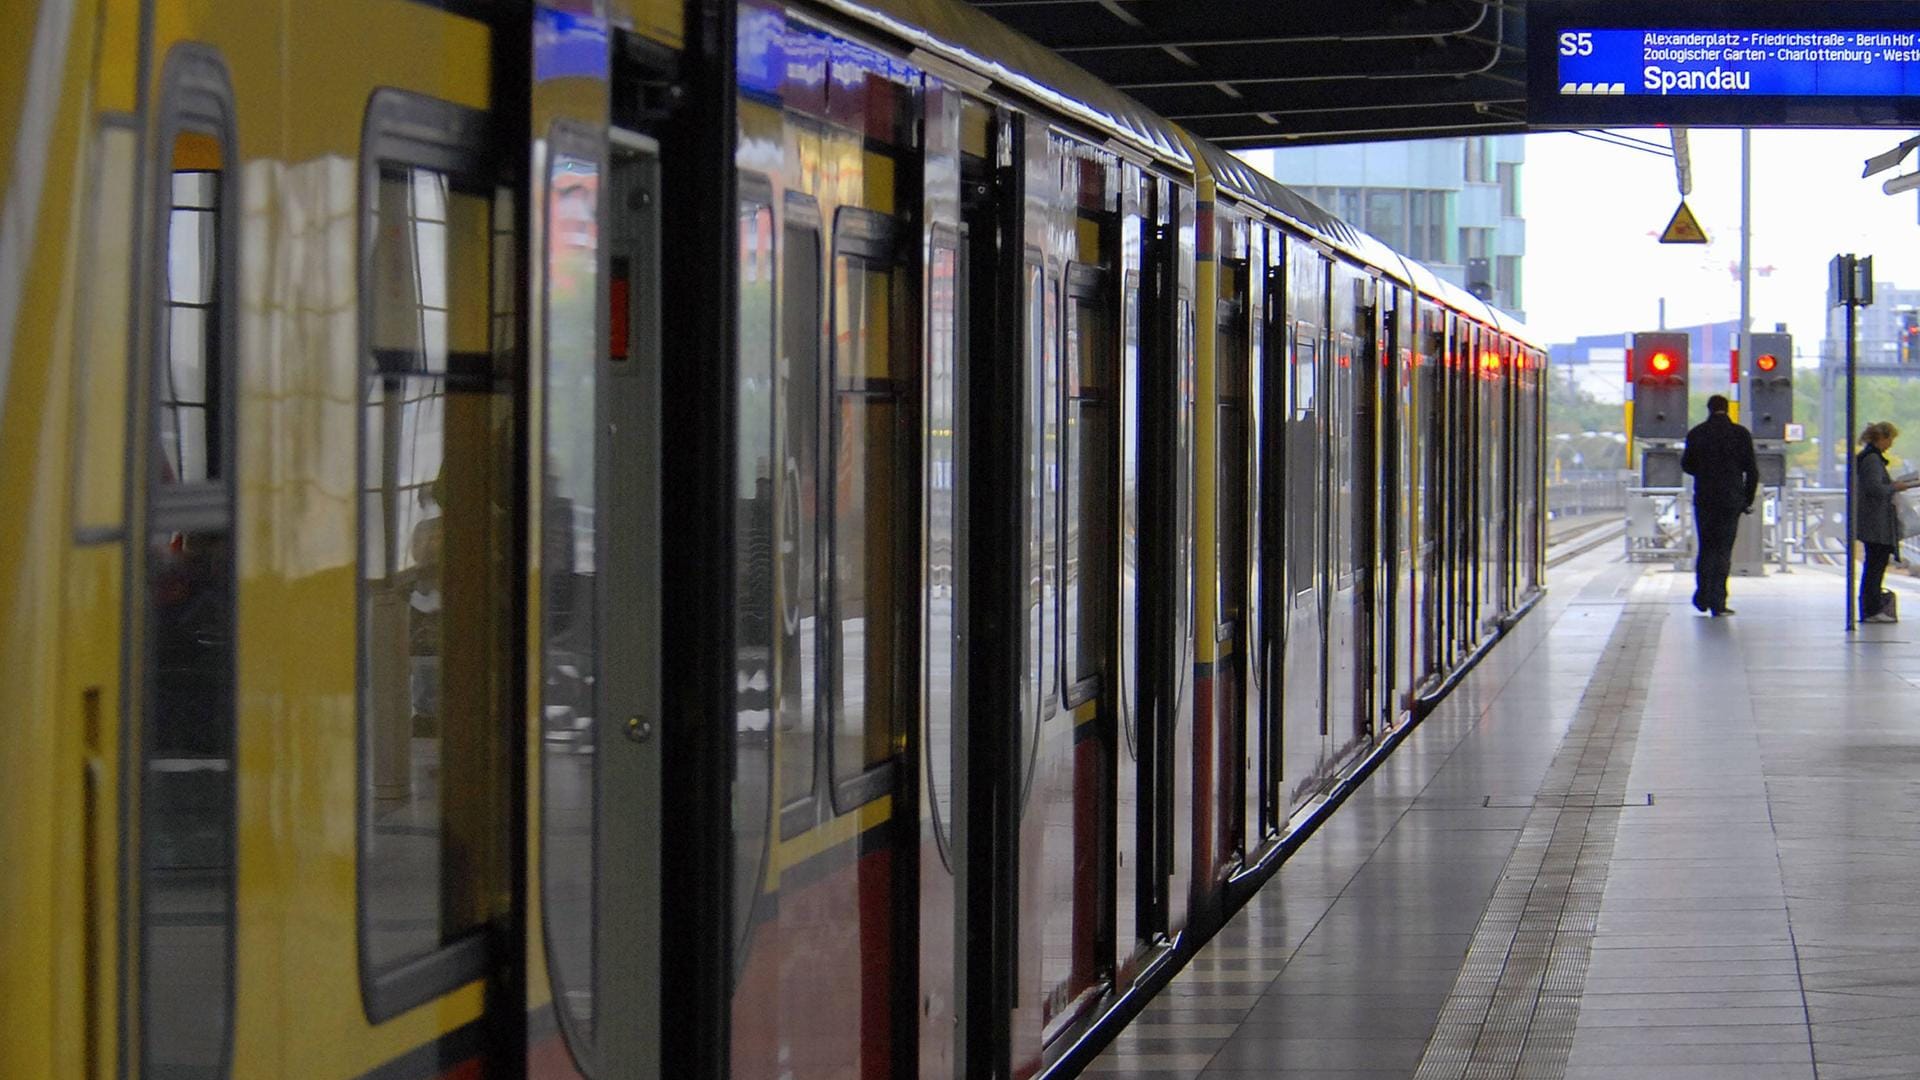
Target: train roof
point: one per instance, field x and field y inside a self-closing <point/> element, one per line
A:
<point x="978" y="45"/>
<point x="985" y="47"/>
<point x="1249" y="184"/>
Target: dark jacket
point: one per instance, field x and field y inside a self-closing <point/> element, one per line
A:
<point x="1719" y="457"/>
<point x="1874" y="520"/>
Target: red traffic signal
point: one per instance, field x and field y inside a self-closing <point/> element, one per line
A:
<point x="1766" y="362"/>
<point x="1660" y="363"/>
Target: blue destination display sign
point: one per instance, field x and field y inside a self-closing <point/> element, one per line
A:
<point x="1755" y="64"/>
<point x="1797" y="63"/>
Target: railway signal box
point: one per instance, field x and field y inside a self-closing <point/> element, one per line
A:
<point x="1657" y="371"/>
<point x="1769" y="385"/>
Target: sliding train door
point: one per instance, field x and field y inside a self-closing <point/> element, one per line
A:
<point x="1273" y="427"/>
<point x="327" y="648"/>
<point x="596" y="784"/>
<point x="1234" y="808"/>
<point x="1388" y="557"/>
<point x="1304" y="735"/>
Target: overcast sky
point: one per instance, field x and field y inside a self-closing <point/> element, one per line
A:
<point x="1593" y="264"/>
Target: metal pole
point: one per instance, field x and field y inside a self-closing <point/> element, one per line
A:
<point x="1844" y="440"/>
<point x="1740" y="381"/>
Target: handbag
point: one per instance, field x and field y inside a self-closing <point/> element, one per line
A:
<point x="1907" y="517"/>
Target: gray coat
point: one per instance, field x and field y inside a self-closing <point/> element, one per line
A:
<point x="1874" y="521"/>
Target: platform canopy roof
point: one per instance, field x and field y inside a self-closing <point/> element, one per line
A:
<point x="1250" y="73"/>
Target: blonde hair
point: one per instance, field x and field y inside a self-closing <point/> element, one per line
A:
<point x="1879" y="429"/>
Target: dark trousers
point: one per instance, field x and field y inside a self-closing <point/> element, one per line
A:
<point x="1715" y="529"/>
<point x="1871" y="576"/>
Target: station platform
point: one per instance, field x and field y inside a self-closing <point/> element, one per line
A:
<point x="1636" y="842"/>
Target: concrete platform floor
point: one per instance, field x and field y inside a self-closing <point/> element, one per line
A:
<point x="1636" y="842"/>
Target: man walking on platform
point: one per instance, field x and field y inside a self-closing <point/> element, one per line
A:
<point x="1719" y="457"/>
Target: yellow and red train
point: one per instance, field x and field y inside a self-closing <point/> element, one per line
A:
<point x="637" y="538"/>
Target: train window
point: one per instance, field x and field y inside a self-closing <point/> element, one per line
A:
<point x="939" y="641"/>
<point x="1129" y="520"/>
<point x="1042" y="382"/>
<point x="1088" y="503"/>
<point x="436" y="526"/>
<point x="1304" y="459"/>
<point x="798" y="516"/>
<point x="867" y="463"/>
<point x="189" y="389"/>
<point x="1230" y="390"/>
<point x="570" y="564"/>
<point x="1047" y="537"/>
<point x="185" y="786"/>
<point x="755" y="601"/>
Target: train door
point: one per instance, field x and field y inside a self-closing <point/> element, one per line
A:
<point x="945" y="482"/>
<point x="1350" y="421"/>
<point x="1168" y="463"/>
<point x="1389" y="559"/>
<point x="1273" y="425"/>
<point x="986" y="758"/>
<point x="1304" y="734"/>
<point x="600" y="544"/>
<point x="1070" y="296"/>
<point x="1461" y="464"/>
<point x="1233" y="744"/>
<point x="1491" y="390"/>
<point x="1429" y="384"/>
<point x="1156" y="482"/>
<point x="827" y="504"/>
<point x="361" y="665"/>
<point x="1260" y="824"/>
<point x="1136" y="894"/>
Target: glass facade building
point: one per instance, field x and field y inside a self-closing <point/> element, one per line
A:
<point x="1453" y="204"/>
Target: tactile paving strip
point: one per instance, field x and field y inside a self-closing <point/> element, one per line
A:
<point x="1512" y="1010"/>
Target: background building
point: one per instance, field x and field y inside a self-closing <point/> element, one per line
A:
<point x="1453" y="204"/>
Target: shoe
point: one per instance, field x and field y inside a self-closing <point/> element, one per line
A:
<point x="1719" y="611"/>
<point x="1879" y="617"/>
<point x="1699" y="604"/>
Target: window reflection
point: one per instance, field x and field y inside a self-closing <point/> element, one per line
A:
<point x="753" y="561"/>
<point x="569" y="565"/>
<point x="186" y="783"/>
<point x="1088" y="510"/>
<point x="188" y="381"/>
<point x="939" y="641"/>
<point x="865" y="463"/>
<point x="798" y="540"/>
<point x="435" y="519"/>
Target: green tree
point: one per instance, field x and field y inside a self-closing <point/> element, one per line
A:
<point x="1571" y="414"/>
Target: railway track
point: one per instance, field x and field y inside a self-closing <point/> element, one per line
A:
<point x="1580" y="539"/>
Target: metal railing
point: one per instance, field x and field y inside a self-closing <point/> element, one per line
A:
<point x="1587" y="493"/>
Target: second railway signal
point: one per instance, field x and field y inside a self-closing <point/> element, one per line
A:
<point x="1657" y="366"/>
<point x="1769" y="385"/>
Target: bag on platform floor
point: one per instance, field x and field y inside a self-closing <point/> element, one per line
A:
<point x="1889" y="604"/>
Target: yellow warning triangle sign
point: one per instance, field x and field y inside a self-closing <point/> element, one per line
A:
<point x="1683" y="229"/>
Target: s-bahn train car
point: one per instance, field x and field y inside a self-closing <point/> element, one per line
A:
<point x="676" y="538"/>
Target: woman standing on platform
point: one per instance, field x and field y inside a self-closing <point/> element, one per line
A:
<point x="1875" y="523"/>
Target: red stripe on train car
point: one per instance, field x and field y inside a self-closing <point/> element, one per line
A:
<point x="1203" y="855"/>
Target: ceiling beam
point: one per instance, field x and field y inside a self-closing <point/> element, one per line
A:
<point x="1185" y="103"/>
<point x="1072" y="28"/>
<point x="1387" y="128"/>
<point x="1248" y="73"/>
<point x="1242" y="64"/>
